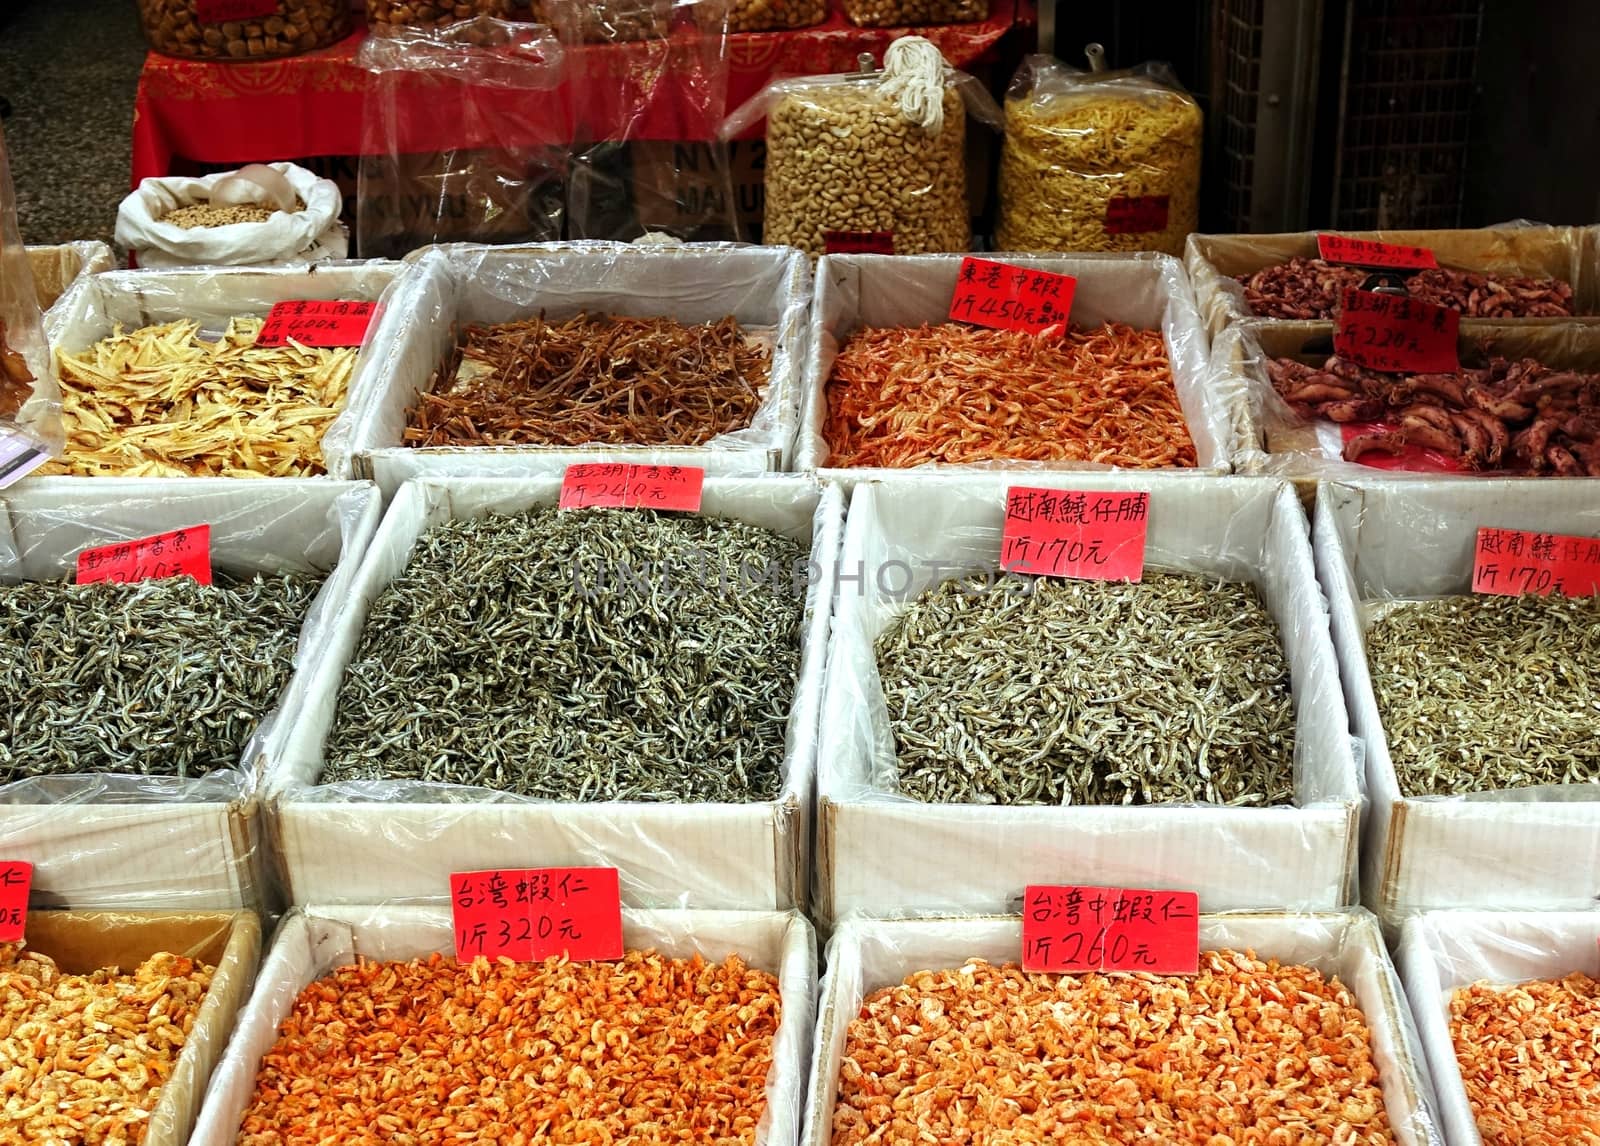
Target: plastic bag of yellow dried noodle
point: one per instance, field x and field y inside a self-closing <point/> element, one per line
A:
<point x="1098" y="161"/>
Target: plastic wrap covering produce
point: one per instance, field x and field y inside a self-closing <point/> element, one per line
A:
<point x="113" y="1022"/>
<point x="892" y="383"/>
<point x="644" y="687"/>
<point x="1098" y="161"/>
<point x="615" y="21"/>
<point x="141" y="708"/>
<point x="505" y="362"/>
<point x="878" y="152"/>
<point x="980" y="716"/>
<point x="1475" y="709"/>
<point x="58" y="266"/>
<point x="433" y="13"/>
<point x="1293" y="1028"/>
<point x="702" y="1025"/>
<point x="485" y="92"/>
<point x="1509" y="1013"/>
<point x="162" y="377"/>
<point x="196" y="29"/>
<point x="29" y="398"/>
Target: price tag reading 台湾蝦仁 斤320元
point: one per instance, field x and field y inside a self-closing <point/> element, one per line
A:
<point x="1089" y="534"/>
<point x="1072" y="929"/>
<point x="528" y="914"/>
<point x="16" y="877"/>
<point x="1007" y="297"/>
<point x="182" y="552"/>
<point x="1511" y="562"/>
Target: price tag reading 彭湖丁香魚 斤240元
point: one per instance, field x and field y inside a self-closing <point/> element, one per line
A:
<point x="528" y="914"/>
<point x="1090" y="534"/>
<point x="182" y="552"/>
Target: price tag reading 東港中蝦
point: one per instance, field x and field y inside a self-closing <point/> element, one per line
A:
<point x="1005" y="297"/>
<point x="1396" y="334"/>
<point x="16" y="877"/>
<point x="1073" y="929"/>
<point x="316" y="322"/>
<point x="180" y="553"/>
<point x="1096" y="535"/>
<point x="616" y="485"/>
<point x="1511" y="562"/>
<point x="1370" y="253"/>
<point x="528" y="914"/>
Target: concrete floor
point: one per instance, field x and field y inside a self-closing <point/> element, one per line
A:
<point x="69" y="69"/>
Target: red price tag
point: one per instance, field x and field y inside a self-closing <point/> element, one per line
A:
<point x="218" y="11"/>
<point x="528" y="914"/>
<point x="1395" y="334"/>
<point x="1368" y="253"/>
<point x="1005" y="297"/>
<point x="183" y="552"/>
<point x="15" y="879"/>
<point x="1093" y="535"/>
<point x="858" y="242"/>
<point x="606" y="485"/>
<point x="317" y="322"/>
<point x="1077" y="929"/>
<point x="1136" y="214"/>
<point x="1511" y="562"/>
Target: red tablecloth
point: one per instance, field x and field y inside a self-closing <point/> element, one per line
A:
<point x="311" y="105"/>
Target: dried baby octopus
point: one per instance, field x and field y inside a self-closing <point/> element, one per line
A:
<point x="992" y="1054"/>
<point x="1520" y="416"/>
<point x="1314" y="289"/>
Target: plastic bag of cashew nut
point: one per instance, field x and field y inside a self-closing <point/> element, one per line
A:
<point x="870" y="161"/>
<point x="1098" y="161"/>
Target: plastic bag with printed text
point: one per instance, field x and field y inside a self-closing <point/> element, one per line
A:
<point x="30" y="399"/>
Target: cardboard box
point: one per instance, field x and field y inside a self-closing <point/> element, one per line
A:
<point x="1147" y="291"/>
<point x="880" y="853"/>
<point x="1552" y="252"/>
<point x="766" y="288"/>
<point x="1383" y="540"/>
<point x="84" y="942"/>
<point x="313" y="941"/>
<point x="57" y="267"/>
<point x="1443" y="950"/>
<point x="397" y="845"/>
<point x="99" y="840"/>
<point x="867" y="955"/>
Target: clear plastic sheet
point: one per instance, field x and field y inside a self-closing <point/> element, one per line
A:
<point x="1518" y="248"/>
<point x="357" y="841"/>
<point x="1146" y="291"/>
<point x="1382" y="541"/>
<point x="40" y="411"/>
<point x="867" y="955"/>
<point x="1441" y="951"/>
<point x="196" y="840"/>
<point x="95" y="305"/>
<point x="59" y="266"/>
<point x="858" y="152"/>
<point x="462" y="136"/>
<point x="767" y="289"/>
<point x="313" y="941"/>
<point x="884" y="853"/>
<point x="1098" y="161"/>
<point x="84" y="942"/>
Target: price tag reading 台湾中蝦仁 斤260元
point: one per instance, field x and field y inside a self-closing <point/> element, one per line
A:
<point x="1094" y="535"/>
<point x="1007" y="297"/>
<point x="527" y="914"/>
<point x="16" y="877"/>
<point x="1511" y="562"/>
<point x="1072" y="929"/>
<point x="182" y="552"/>
<point x="614" y="485"/>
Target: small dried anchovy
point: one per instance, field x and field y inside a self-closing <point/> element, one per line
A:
<point x="158" y="678"/>
<point x="582" y="656"/>
<point x="1175" y="689"/>
<point x="1488" y="693"/>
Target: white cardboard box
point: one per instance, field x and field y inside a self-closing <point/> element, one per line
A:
<point x="1148" y="291"/>
<point x="883" y="854"/>
<point x="1415" y="539"/>
<point x="749" y="856"/>
<point x="100" y="841"/>
<point x="866" y="955"/>
<point x="313" y="941"/>
<point x="766" y="288"/>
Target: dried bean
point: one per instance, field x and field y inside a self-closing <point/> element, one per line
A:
<point x="174" y="27"/>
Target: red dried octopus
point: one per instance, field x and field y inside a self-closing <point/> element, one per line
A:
<point x="1312" y="289"/>
<point x="1520" y="416"/>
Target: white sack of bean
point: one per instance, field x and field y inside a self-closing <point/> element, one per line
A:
<point x="1098" y="161"/>
<point x="982" y="730"/>
<point x="1477" y="708"/>
<point x="875" y="153"/>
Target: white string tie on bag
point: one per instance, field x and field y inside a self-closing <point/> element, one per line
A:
<point x="913" y="69"/>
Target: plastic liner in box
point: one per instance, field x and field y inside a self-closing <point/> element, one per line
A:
<point x="883" y="853"/>
<point x="1530" y="249"/>
<point x="1146" y="291"/>
<point x="59" y="266"/>
<point x="102" y="840"/>
<point x="359" y="841"/>
<point x="95" y="306"/>
<point x="768" y="290"/>
<point x="1529" y="848"/>
<point x="866" y="955"/>
<point x="1440" y="951"/>
<point x="84" y="942"/>
<point x="313" y="941"/>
